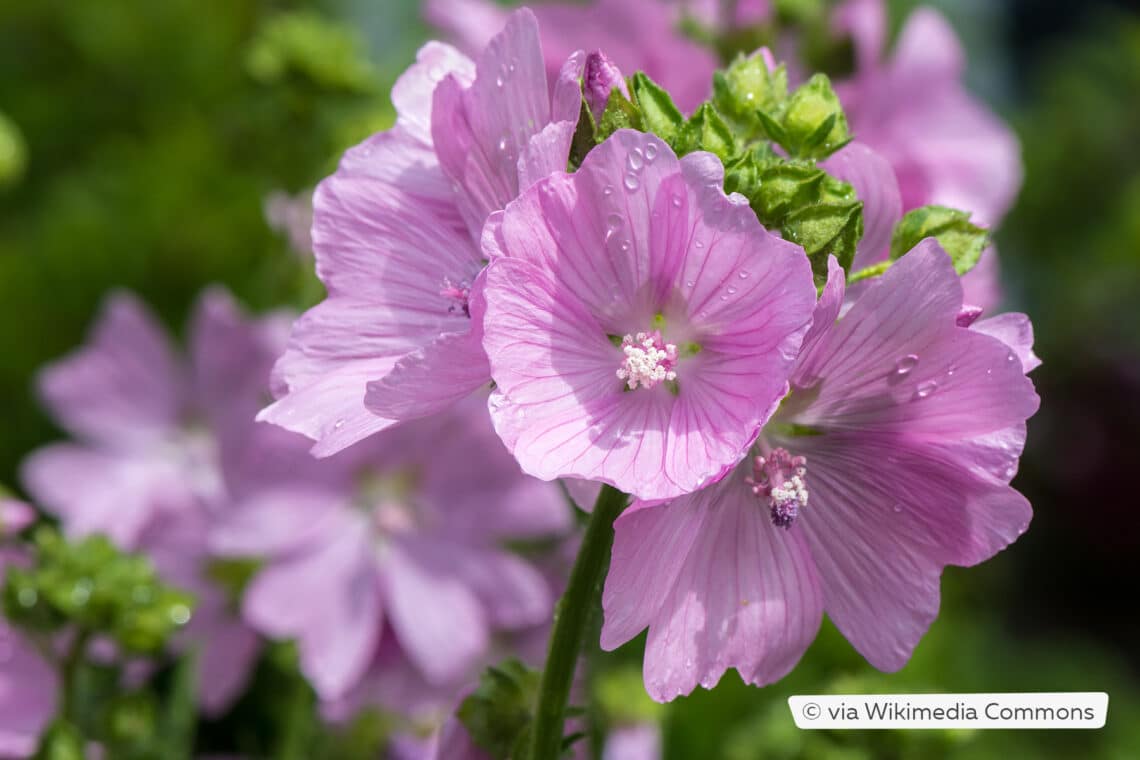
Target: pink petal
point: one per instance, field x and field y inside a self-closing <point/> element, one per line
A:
<point x="1014" y="330"/>
<point x="412" y="93"/>
<point x="125" y="387"/>
<point x="327" y="599"/>
<point x="955" y="383"/>
<point x="719" y="585"/>
<point x="28" y="694"/>
<point x="886" y="515"/>
<point x="479" y="131"/>
<point x="439" y="622"/>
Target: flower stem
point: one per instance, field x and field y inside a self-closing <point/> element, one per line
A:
<point x="571" y="619"/>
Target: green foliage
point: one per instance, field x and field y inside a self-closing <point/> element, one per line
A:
<point x="92" y="586"/>
<point x="745" y="88"/>
<point x="658" y="112"/>
<point x="13" y="152"/>
<point x="952" y="228"/>
<point x="499" y="712"/>
<point x="809" y="124"/>
<point x="306" y="43"/>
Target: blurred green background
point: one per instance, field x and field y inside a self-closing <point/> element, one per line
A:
<point x="139" y="141"/>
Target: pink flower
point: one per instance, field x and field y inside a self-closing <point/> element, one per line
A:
<point x="628" y="304"/>
<point x="890" y="459"/>
<point x="28" y="688"/>
<point x="395" y="234"/>
<point x="945" y="146"/>
<point x="639" y="35"/>
<point x="151" y="433"/>
<point x="410" y="544"/>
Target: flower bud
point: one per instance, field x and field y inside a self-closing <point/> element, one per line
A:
<point x="598" y="80"/>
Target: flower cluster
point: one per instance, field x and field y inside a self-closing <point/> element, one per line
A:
<point x="547" y="280"/>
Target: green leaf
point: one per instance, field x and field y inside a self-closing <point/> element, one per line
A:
<point x="827" y="228"/>
<point x="498" y="713"/>
<point x="706" y="130"/>
<point x="963" y="240"/>
<point x="179" y="712"/>
<point x="784" y="188"/>
<point x="658" y="112"/>
<point x="814" y="123"/>
<point x="620" y="113"/>
<point x="13" y="152"/>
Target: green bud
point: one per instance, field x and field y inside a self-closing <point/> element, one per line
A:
<point x="814" y="124"/>
<point x="659" y="114"/>
<point x="952" y="228"/>
<point x="746" y="87"/>
<point x="784" y="188"/>
<point x="706" y="130"/>
<point x="498" y="713"/>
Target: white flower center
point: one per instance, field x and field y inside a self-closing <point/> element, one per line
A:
<point x="649" y="360"/>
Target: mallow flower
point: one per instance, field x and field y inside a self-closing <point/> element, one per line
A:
<point x="641" y="325"/>
<point x="395" y="235"/>
<point x="403" y="562"/>
<point x="146" y="468"/>
<point x="945" y="146"/>
<point x="890" y="458"/>
<point x="639" y="35"/>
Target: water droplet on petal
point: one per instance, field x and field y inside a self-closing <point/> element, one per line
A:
<point x="607" y="191"/>
<point x="650" y="152"/>
<point x="338" y="424"/>
<point x="631" y="182"/>
<point x="635" y="160"/>
<point x="743" y="274"/>
<point x="906" y="364"/>
<point x="925" y="389"/>
<point x="677" y="201"/>
<point x="698" y="244"/>
<point x="624" y="246"/>
<point x="897" y="508"/>
<point x="731" y="290"/>
<point x="614" y="222"/>
<point x="1010" y="357"/>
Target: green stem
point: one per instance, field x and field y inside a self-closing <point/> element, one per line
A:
<point x="69" y="668"/>
<point x="571" y="619"/>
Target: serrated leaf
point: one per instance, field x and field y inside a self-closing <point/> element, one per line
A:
<point x="823" y="229"/>
<point x="498" y="713"/>
<point x="706" y="130"/>
<point x="620" y="113"/>
<point x="659" y="114"/>
<point x="962" y="240"/>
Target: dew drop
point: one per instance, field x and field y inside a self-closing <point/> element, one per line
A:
<point x="624" y="246"/>
<point x="650" y="152"/>
<point x="614" y="222"/>
<point x="180" y="614"/>
<point x="925" y="389"/>
<point x="499" y="81"/>
<point x="897" y="508"/>
<point x="698" y="244"/>
<point x="677" y="201"/>
<point x="906" y="364"/>
<point x="1010" y="357"/>
<point x="631" y="182"/>
<point x="743" y="274"/>
<point x="688" y="283"/>
<point x="635" y="160"/>
<point x="338" y="424"/>
<point x="607" y="191"/>
<point x="731" y="290"/>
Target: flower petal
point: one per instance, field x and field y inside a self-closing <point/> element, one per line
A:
<point x="125" y="386"/>
<point x="875" y="184"/>
<point x="722" y="588"/>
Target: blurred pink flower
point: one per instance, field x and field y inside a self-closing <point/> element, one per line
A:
<point x="945" y="146"/>
<point x="411" y="545"/>
<point x="627" y="303"/>
<point x="396" y="233"/>
<point x="904" y="429"/>
<point x="292" y="216"/>
<point x="151" y="431"/>
<point x="638" y="35"/>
